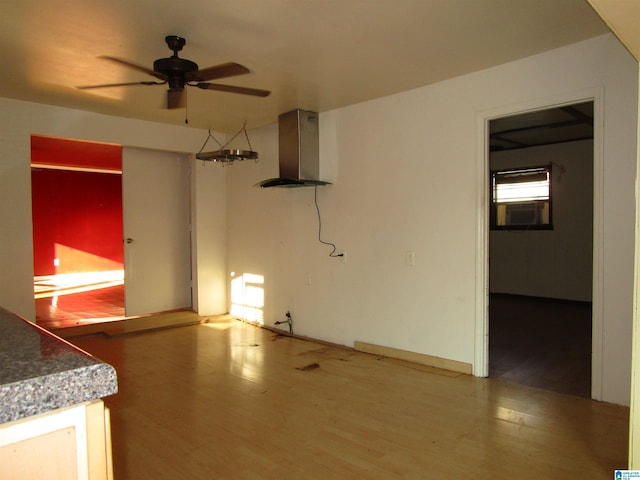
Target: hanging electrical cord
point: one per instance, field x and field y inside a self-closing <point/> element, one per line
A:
<point x="333" y="251"/>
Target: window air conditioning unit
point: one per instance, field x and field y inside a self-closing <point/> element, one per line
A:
<point x="523" y="214"/>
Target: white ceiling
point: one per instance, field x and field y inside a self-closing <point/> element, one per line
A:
<point x="622" y="17"/>
<point x="312" y="54"/>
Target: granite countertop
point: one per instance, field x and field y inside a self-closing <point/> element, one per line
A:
<point x="40" y="372"/>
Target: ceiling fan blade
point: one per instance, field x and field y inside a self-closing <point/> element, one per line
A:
<point x="224" y="70"/>
<point x="107" y="85"/>
<point x="134" y="66"/>
<point x="176" y="99"/>
<point x="233" y="89"/>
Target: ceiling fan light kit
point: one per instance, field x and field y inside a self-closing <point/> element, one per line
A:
<point x="179" y="72"/>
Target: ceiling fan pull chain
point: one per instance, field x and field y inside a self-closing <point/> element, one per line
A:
<point x="186" y="106"/>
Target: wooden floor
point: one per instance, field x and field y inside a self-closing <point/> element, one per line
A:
<point x="228" y="400"/>
<point x="127" y="325"/>
<point x="543" y="343"/>
<point x="70" y="310"/>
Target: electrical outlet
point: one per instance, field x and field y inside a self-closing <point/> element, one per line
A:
<point x="410" y="258"/>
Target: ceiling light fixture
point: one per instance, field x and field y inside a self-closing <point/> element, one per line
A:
<point x="227" y="155"/>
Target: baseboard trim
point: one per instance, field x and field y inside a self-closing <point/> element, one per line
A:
<point x="128" y="325"/>
<point x="420" y="358"/>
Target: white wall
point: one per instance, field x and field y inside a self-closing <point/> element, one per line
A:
<point x="19" y="120"/>
<point x="406" y="174"/>
<point x="209" y="237"/>
<point x="549" y="263"/>
<point x="405" y="169"/>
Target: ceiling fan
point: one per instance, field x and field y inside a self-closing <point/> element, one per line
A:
<point x="179" y="72"/>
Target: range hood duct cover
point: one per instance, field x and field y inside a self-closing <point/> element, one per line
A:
<point x="299" y="145"/>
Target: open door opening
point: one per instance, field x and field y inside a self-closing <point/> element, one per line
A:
<point x="541" y="196"/>
<point x="77" y="232"/>
<point x="112" y="233"/>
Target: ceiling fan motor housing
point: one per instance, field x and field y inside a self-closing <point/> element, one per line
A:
<point x="176" y="70"/>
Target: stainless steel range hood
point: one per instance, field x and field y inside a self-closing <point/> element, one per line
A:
<point x="299" y="157"/>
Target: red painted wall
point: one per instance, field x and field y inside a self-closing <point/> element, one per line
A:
<point x="75" y="153"/>
<point x="77" y="217"/>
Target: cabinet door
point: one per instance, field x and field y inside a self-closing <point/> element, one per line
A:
<point x="71" y="443"/>
<point x="56" y="457"/>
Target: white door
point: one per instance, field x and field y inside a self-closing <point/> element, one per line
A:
<point x="157" y="240"/>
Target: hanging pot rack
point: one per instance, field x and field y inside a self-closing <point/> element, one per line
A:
<point x="227" y="155"/>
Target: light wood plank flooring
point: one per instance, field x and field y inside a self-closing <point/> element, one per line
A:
<point x="228" y="400"/>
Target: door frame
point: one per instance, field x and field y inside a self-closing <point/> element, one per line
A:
<point x="481" y="355"/>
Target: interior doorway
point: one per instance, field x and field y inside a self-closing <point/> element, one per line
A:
<point x="112" y="233"/>
<point x="540" y="316"/>
<point x="77" y="231"/>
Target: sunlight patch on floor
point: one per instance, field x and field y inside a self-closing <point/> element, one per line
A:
<point x="67" y="283"/>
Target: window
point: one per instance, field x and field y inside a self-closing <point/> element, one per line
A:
<point x="521" y="199"/>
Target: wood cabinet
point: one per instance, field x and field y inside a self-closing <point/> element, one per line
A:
<point x="64" y="444"/>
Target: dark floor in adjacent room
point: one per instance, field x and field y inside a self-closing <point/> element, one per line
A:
<point x="542" y="343"/>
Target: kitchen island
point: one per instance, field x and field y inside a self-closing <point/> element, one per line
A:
<point x="53" y="423"/>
